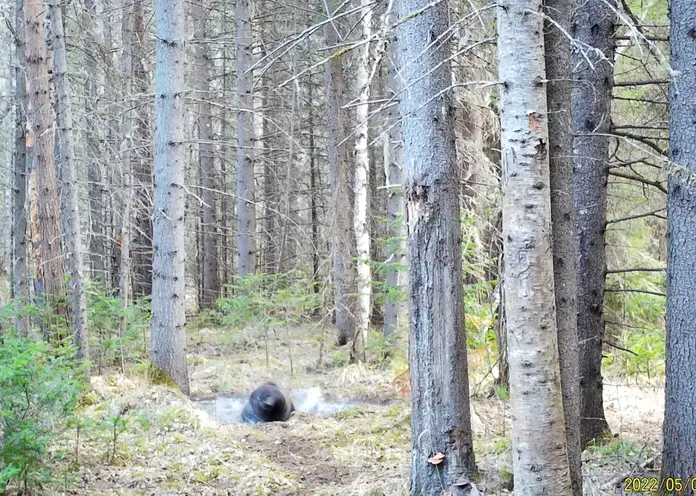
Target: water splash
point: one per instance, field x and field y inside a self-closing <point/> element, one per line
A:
<point x="312" y="401"/>
<point x="227" y="409"/>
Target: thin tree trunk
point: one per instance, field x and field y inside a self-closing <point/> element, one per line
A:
<point x="361" y="186"/>
<point x="501" y="336"/>
<point x="50" y="260"/>
<point x="679" y="429"/>
<point x="342" y="241"/>
<point x="210" y="284"/>
<point x="314" y="185"/>
<point x="395" y="309"/>
<point x="442" y="454"/>
<point x="540" y="461"/>
<point x="69" y="212"/>
<point x="142" y="166"/>
<point x="559" y="75"/>
<point x="227" y="206"/>
<point x="246" y="209"/>
<point x="98" y="253"/>
<point x="168" y="341"/>
<point x="283" y="252"/>
<point x="124" y="279"/>
<point x="20" y="280"/>
<point x="593" y="28"/>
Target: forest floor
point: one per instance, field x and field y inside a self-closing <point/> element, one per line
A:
<point x="155" y="441"/>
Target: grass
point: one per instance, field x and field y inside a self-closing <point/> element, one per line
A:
<point x="143" y="439"/>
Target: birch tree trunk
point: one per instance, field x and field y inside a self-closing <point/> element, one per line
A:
<point x="246" y="209"/>
<point x="168" y="342"/>
<point x="341" y="232"/>
<point x="69" y="211"/>
<point x="679" y="428"/>
<point x="206" y="160"/>
<point x="591" y="114"/>
<point x="540" y="459"/>
<point x="395" y="310"/>
<point x="361" y="185"/>
<point x="20" y="280"/>
<point x="559" y="75"/>
<point x="442" y="455"/>
<point x="50" y="277"/>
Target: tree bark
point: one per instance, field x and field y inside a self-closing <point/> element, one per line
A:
<point x="168" y="342"/>
<point x="442" y="455"/>
<point x="679" y="428"/>
<point x="20" y="279"/>
<point x="227" y="205"/>
<point x="361" y="186"/>
<point x="593" y="28"/>
<point x="97" y="239"/>
<point x="125" y="264"/>
<point x="314" y="181"/>
<point x="69" y="212"/>
<point x="341" y="211"/>
<point x="559" y="75"/>
<point x="395" y="309"/>
<point x="540" y="459"/>
<point x="246" y="208"/>
<point x="210" y="284"/>
<point x="142" y="165"/>
<point x="501" y="337"/>
<point x="50" y="269"/>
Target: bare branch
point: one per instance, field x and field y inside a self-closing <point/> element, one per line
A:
<point x="649" y="182"/>
<point x="636" y="269"/>
<point x="638" y="216"/>
<point x="641" y="291"/>
<point x="645" y="82"/>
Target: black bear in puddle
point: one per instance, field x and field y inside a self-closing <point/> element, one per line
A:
<point x="267" y="404"/>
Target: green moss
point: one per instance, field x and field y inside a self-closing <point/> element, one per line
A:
<point x="159" y="376"/>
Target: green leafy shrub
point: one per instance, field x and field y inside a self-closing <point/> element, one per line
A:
<point x="104" y="315"/>
<point x="635" y="321"/>
<point x="269" y="300"/>
<point x="40" y="386"/>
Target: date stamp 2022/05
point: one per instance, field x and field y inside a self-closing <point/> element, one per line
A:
<point x="655" y="484"/>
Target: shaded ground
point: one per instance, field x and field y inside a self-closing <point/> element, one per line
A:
<point x="164" y="444"/>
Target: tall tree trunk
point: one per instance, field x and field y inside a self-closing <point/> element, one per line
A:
<point x="314" y="182"/>
<point x="168" y="341"/>
<point x="227" y="206"/>
<point x="341" y="233"/>
<point x="679" y="428"/>
<point x="593" y="29"/>
<point x="559" y="75"/>
<point x="540" y="459"/>
<point x="286" y="253"/>
<point x="50" y="264"/>
<point x="395" y="310"/>
<point x="361" y="185"/>
<point x="20" y="278"/>
<point x="246" y="209"/>
<point x="210" y="284"/>
<point x="124" y="279"/>
<point x="98" y="253"/>
<point x="69" y="212"/>
<point x="142" y="166"/>
<point x="440" y="419"/>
